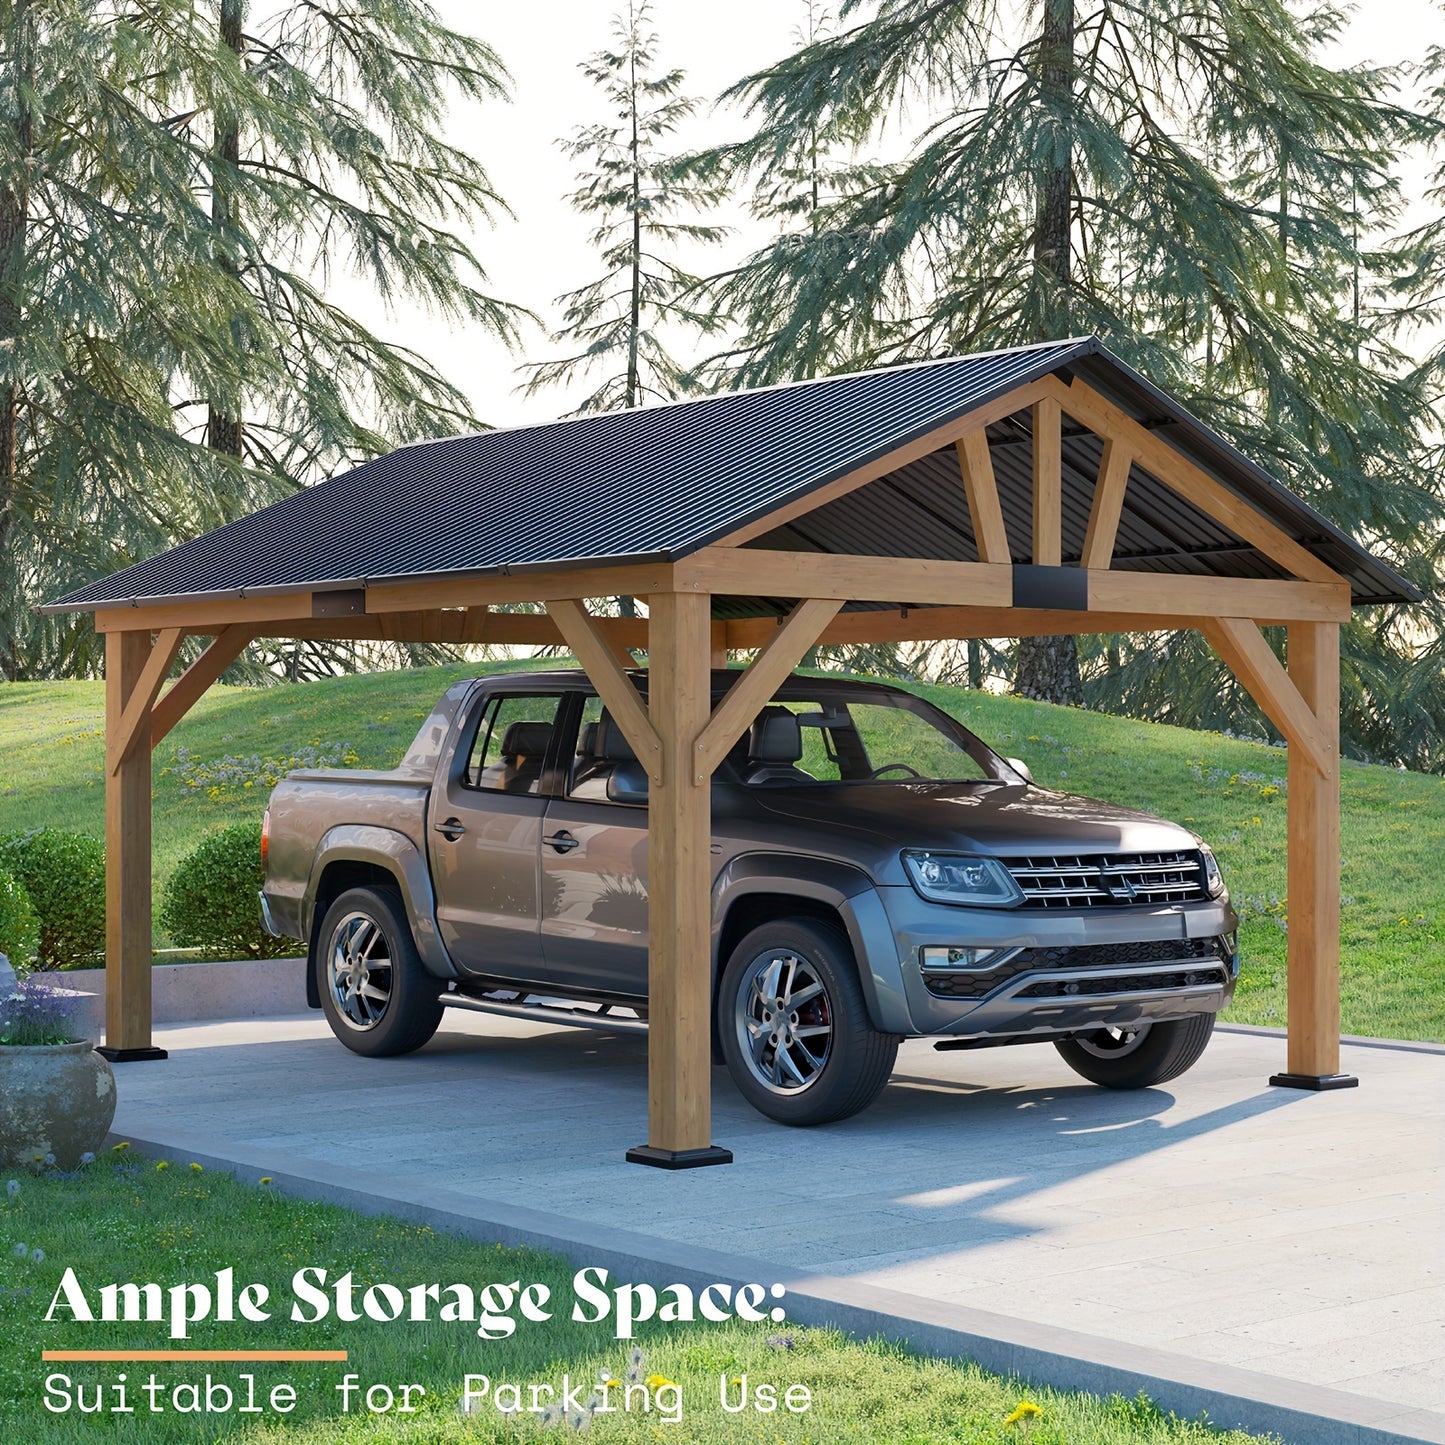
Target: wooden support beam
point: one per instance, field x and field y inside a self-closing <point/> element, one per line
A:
<point x="1174" y="595"/>
<point x="132" y="732"/>
<point x="1313" y="959"/>
<point x="128" y="656"/>
<point x="1108" y="505"/>
<point x="625" y="660"/>
<point x="1048" y="483"/>
<point x="679" y="951"/>
<point x="539" y="585"/>
<point x="718" y="648"/>
<point x="1181" y="475"/>
<point x="748" y="571"/>
<point x="928" y="624"/>
<point x="591" y="648"/>
<point x="191" y="685"/>
<point x="749" y="694"/>
<point x="1253" y="662"/>
<point x="980" y="488"/>
<point x="1019" y="399"/>
<point x="458" y="626"/>
<point x="208" y="616"/>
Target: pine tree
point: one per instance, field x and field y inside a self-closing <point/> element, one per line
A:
<point x="175" y="193"/>
<point x="802" y="168"/>
<point x="323" y="128"/>
<point x="639" y="195"/>
<point x="104" y="251"/>
<point x="1194" y="186"/>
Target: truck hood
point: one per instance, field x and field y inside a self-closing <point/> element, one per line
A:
<point x="1006" y="820"/>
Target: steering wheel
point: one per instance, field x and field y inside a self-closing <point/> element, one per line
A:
<point x="893" y="768"/>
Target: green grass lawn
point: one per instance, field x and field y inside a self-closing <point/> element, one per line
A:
<point x="124" y="1219"/>
<point x="1231" y="792"/>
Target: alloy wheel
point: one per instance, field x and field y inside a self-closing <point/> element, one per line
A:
<point x="1113" y="1043"/>
<point x="360" y="971"/>
<point x="784" y="1021"/>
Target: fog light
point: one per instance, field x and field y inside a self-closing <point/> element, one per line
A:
<point x="935" y="958"/>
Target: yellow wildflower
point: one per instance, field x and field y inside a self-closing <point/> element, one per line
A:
<point x="656" y="1382"/>
<point x="1023" y="1412"/>
<point x="164" y="1164"/>
<point x="195" y="1168"/>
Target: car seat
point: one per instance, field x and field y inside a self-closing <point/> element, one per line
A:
<point x="774" y="745"/>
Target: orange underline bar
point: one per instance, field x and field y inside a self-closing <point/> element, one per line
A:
<point x="258" y="1356"/>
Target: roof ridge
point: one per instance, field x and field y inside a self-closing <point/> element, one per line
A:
<point x="1080" y="345"/>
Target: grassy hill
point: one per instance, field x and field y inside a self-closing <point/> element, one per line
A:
<point x="213" y="769"/>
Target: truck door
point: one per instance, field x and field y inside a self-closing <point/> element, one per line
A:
<point x="484" y="832"/>
<point x="594" y="865"/>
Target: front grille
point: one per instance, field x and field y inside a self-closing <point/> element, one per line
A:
<point x="979" y="983"/>
<point x="1108" y="880"/>
<point x="1123" y="983"/>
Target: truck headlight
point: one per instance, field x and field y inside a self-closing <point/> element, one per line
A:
<point x="1213" y="878"/>
<point x="963" y="878"/>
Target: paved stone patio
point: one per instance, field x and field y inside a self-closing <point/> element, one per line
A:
<point x="1299" y="1237"/>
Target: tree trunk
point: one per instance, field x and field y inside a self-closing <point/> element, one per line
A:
<point x="1047" y="668"/>
<point x="634" y="329"/>
<point x="224" y="432"/>
<point x="14" y="219"/>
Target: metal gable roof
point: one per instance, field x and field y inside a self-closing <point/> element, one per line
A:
<point x="661" y="482"/>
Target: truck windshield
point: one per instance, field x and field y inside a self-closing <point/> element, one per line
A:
<point x="873" y="739"/>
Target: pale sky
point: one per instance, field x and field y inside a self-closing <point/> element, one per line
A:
<point x="544" y="251"/>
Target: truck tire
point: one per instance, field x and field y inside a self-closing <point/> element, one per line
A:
<point x="375" y="992"/>
<point x="820" y="1059"/>
<point x="1154" y="1054"/>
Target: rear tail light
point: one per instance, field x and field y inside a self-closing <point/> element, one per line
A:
<point x="265" y="836"/>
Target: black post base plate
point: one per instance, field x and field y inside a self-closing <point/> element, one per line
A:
<point x="131" y="1056"/>
<point x="679" y="1158"/>
<point x="1314" y="1081"/>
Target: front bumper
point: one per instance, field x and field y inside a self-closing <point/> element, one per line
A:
<point x="1076" y="971"/>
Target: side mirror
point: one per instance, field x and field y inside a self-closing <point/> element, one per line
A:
<point x="627" y="783"/>
<point x="1021" y="768"/>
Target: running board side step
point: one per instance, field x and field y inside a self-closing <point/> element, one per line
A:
<point x="546" y="1013"/>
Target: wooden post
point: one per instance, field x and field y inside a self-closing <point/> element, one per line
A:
<point x="127" y="851"/>
<point x="679" y="828"/>
<point x="1313" y="1049"/>
<point x="1048" y="483"/>
<point x="718" y="655"/>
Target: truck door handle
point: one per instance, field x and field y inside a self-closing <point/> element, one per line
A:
<point x="562" y="841"/>
<point x="452" y="829"/>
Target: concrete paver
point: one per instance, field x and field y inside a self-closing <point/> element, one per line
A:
<point x="1300" y="1236"/>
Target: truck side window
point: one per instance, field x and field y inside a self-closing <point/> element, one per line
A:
<point x="601" y="751"/>
<point x="511" y="743"/>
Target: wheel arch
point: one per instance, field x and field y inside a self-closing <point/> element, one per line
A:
<point x="757" y="887"/>
<point x="358" y="856"/>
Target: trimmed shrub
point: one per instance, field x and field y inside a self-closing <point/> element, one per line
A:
<point x="63" y="872"/>
<point x="19" y="927"/>
<point x="210" y="902"/>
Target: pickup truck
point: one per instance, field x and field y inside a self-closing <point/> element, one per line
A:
<point x="878" y="873"/>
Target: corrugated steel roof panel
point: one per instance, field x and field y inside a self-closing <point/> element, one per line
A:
<point x="663" y="481"/>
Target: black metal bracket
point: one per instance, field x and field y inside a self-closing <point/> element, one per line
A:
<point x="1062" y="589"/>
<point x="679" y="1158"/>
<point x="1319" y="1082"/>
<point x="131" y="1056"/>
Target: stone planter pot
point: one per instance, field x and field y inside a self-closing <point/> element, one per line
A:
<point x="54" y="1099"/>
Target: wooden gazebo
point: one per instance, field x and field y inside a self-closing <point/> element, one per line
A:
<point x="1038" y="491"/>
